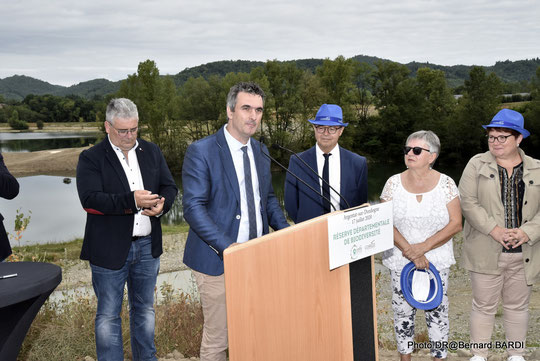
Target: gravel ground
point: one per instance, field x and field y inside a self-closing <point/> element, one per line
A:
<point x="78" y="274"/>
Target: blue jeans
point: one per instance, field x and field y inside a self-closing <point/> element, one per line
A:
<point x="140" y="272"/>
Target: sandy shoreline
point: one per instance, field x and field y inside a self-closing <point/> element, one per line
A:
<point x="58" y="162"/>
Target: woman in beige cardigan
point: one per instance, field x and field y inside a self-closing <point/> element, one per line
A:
<point x="500" y="199"/>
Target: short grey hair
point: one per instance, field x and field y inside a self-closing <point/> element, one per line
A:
<point x="122" y="108"/>
<point x="243" y="87"/>
<point x="430" y="138"/>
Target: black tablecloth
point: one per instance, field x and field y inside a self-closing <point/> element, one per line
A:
<point x="33" y="279"/>
<point x="21" y="297"/>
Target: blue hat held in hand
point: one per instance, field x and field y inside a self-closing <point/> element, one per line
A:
<point x="329" y="115"/>
<point x="508" y="118"/>
<point x="433" y="294"/>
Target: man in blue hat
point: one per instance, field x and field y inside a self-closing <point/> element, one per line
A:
<point x="342" y="174"/>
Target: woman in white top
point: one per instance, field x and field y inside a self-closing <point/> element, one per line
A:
<point x="427" y="214"/>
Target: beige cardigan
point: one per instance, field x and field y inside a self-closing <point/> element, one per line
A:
<point x="482" y="208"/>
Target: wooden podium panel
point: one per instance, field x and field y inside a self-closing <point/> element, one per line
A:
<point x="283" y="302"/>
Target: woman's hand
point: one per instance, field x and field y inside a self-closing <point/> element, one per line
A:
<point x="516" y="237"/>
<point x="500" y="235"/>
<point x="421" y="262"/>
<point x="414" y="251"/>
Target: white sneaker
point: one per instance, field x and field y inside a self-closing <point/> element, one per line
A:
<point x="516" y="358"/>
<point x="477" y="358"/>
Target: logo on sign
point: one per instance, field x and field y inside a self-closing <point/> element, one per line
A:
<point x="371" y="245"/>
<point x="356" y="251"/>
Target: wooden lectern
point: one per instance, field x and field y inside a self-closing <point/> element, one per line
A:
<point x="284" y="304"/>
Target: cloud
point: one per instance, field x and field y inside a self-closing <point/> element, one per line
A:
<point x="67" y="42"/>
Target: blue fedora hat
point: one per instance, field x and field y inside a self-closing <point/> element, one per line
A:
<point x="329" y="114"/>
<point x="507" y="118"/>
<point x="435" y="295"/>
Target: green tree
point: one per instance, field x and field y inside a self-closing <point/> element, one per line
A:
<point x="16" y="123"/>
<point x="386" y="78"/>
<point x="284" y="88"/>
<point x="361" y="96"/>
<point x="14" y="117"/>
<point x="397" y="99"/>
<point x="153" y="96"/>
<point x="478" y="105"/>
<point x="361" y="129"/>
<point x="532" y="119"/>
<point x="437" y="107"/>
<point x="201" y="106"/>
<point x="336" y="78"/>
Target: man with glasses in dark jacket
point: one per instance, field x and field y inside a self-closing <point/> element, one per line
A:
<point x="344" y="172"/>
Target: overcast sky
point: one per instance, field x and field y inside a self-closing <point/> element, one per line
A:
<point x="67" y="42"/>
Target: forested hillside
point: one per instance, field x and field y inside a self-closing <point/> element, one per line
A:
<point x="516" y="76"/>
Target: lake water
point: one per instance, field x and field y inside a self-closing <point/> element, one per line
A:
<point x="34" y="141"/>
<point x="57" y="215"/>
<point x="56" y="212"/>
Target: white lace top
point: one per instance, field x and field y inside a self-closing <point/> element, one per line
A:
<point x="417" y="221"/>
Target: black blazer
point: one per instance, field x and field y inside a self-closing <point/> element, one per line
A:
<point x="110" y="204"/>
<point x="9" y="188"/>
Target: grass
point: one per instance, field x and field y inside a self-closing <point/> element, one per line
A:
<point x="57" y="253"/>
<point x="65" y="331"/>
<point x="175" y="228"/>
<point x="61" y="253"/>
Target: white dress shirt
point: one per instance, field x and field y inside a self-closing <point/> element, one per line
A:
<point x="141" y="223"/>
<point x="334" y="173"/>
<point x="238" y="159"/>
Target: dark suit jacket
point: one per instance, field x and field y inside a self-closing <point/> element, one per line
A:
<point x="302" y="203"/>
<point x="211" y="201"/>
<point x="9" y="188"/>
<point x="110" y="204"/>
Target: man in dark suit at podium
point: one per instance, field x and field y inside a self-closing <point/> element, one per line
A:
<point x="228" y="198"/>
<point x="343" y="170"/>
<point x="9" y="188"/>
<point x="125" y="186"/>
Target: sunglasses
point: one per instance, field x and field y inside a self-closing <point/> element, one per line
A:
<point x="416" y="150"/>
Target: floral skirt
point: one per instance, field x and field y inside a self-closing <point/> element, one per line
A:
<point x="436" y="320"/>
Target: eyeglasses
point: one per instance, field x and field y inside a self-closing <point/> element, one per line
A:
<point x="124" y="132"/>
<point x="321" y="129"/>
<point x="500" y="138"/>
<point x="416" y="150"/>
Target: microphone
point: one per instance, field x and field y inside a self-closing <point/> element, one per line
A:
<point x="294" y="175"/>
<point x="277" y="146"/>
